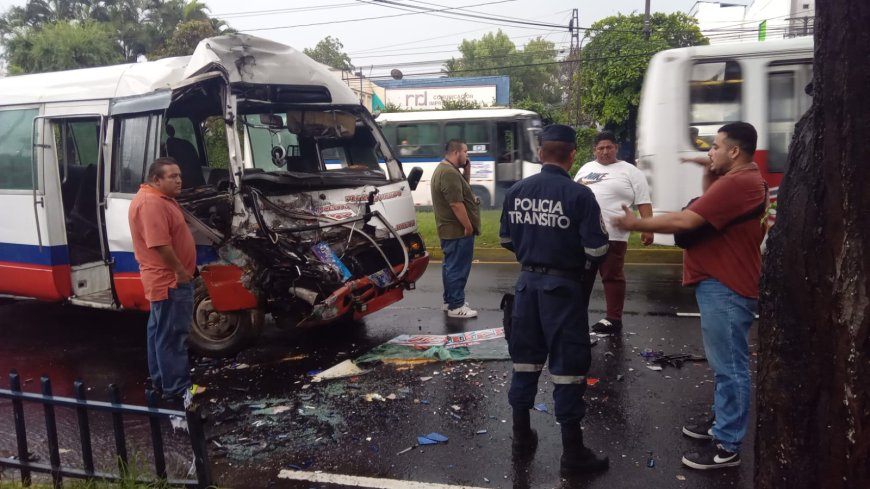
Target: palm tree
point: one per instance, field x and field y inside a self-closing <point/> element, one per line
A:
<point x="195" y="10"/>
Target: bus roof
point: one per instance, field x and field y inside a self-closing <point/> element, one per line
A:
<point x="742" y="49"/>
<point x="241" y="57"/>
<point x="437" y="115"/>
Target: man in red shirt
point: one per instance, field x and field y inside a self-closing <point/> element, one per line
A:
<point x="164" y="247"/>
<point x="725" y="267"/>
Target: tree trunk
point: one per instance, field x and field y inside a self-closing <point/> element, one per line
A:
<point x="814" y="339"/>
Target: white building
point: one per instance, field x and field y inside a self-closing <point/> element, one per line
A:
<point x="754" y="20"/>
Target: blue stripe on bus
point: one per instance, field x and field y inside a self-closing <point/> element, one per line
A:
<point x="33" y="255"/>
<point x="125" y="262"/>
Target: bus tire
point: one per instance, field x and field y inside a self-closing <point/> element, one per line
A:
<point x="482" y="194"/>
<point x="221" y="334"/>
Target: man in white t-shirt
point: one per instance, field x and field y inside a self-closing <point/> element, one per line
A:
<point x="615" y="183"/>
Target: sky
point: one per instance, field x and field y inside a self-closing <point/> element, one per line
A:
<point x="380" y="37"/>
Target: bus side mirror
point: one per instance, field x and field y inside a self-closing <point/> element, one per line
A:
<point x="414" y="177"/>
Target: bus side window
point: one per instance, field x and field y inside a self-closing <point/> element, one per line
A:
<point x="16" y="149"/>
<point x="137" y="142"/>
<point x="715" y="95"/>
<point x="786" y="103"/>
<point x="423" y="139"/>
<point x="474" y="134"/>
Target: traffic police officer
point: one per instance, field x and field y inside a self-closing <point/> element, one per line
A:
<point x="546" y="220"/>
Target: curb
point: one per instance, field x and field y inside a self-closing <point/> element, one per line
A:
<point x="633" y="256"/>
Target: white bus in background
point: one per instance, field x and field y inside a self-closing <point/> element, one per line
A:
<point x="502" y="146"/>
<point x="703" y="88"/>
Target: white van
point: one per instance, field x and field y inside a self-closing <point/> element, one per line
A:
<point x="253" y="125"/>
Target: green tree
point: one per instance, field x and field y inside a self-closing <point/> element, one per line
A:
<point x="615" y="59"/>
<point x="329" y="52"/>
<point x="63" y="46"/>
<point x="550" y="114"/>
<point x="533" y="70"/>
<point x="185" y="39"/>
<point x="138" y="26"/>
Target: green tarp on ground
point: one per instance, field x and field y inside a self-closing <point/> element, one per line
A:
<point x="486" y="344"/>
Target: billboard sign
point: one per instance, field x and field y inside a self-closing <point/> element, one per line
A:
<point x="429" y="98"/>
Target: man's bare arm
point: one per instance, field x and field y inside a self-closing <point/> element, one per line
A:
<point x="646" y="237"/>
<point x="670" y="223"/>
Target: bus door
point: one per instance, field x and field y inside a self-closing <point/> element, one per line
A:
<point x="71" y="161"/>
<point x="787" y="101"/>
<point x="508" y="155"/>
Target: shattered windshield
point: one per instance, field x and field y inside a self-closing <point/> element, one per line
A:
<point x="324" y="142"/>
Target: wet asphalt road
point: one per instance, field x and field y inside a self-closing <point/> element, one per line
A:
<point x="332" y="428"/>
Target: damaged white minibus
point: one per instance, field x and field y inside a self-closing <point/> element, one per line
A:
<point x="297" y="205"/>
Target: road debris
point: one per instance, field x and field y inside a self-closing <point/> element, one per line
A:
<point x="677" y="360"/>
<point x="341" y="370"/>
<point x="431" y="439"/>
<point x="272" y="410"/>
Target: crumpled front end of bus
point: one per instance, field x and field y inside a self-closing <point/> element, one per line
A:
<point x="309" y="257"/>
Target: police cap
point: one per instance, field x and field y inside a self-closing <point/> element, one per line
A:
<point x="559" y="132"/>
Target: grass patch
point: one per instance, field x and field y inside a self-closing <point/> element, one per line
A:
<point x="489" y="223"/>
<point x="133" y="478"/>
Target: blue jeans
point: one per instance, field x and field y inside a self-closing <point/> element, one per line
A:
<point x="168" y="327"/>
<point x="725" y="321"/>
<point x="458" y="254"/>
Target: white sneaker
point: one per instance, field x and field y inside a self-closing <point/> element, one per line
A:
<point x="462" y="312"/>
<point x="446" y="307"/>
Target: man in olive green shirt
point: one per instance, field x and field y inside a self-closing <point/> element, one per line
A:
<point x="457" y="215"/>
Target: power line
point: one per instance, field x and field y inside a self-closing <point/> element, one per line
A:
<point x="520" y="53"/>
<point x="344" y="21"/>
<point x="456" y="16"/>
<point x="526" y="65"/>
<point x="464" y="9"/>
<point x="255" y="13"/>
<point x="466" y="13"/>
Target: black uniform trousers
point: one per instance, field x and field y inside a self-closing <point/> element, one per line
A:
<point x="550" y="321"/>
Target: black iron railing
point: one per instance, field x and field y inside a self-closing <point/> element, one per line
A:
<point x="82" y="406"/>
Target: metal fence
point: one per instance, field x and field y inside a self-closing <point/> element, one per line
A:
<point x="82" y="406"/>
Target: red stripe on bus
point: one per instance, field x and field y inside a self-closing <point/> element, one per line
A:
<point x="48" y="283"/>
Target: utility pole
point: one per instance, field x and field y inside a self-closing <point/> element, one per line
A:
<point x="573" y="69"/>
<point x="646" y="21"/>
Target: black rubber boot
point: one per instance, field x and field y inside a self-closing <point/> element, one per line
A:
<point x="525" y="438"/>
<point x="576" y="458"/>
